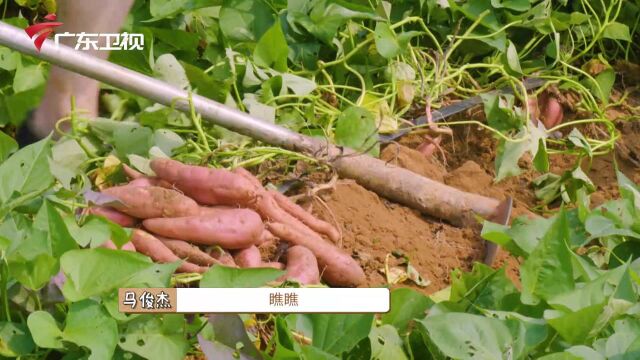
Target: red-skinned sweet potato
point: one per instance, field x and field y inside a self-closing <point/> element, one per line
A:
<point x="337" y="268"/>
<point x="301" y="214"/>
<point x="152" y="202"/>
<point x="222" y="256"/>
<point x="248" y="258"/>
<point x="302" y="266"/>
<point x="231" y="229"/>
<point x="553" y="113"/>
<point x="112" y="215"/>
<point x="206" y="185"/>
<point x="151" y="246"/>
<point x="188" y="252"/>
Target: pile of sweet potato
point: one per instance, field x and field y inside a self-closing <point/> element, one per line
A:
<point x="191" y="213"/>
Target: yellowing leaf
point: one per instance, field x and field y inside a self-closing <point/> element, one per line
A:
<point x="385" y="121"/>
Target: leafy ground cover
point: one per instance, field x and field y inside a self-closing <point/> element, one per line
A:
<point x="345" y="71"/>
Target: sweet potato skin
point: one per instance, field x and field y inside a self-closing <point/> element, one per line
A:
<point x="302" y="266"/>
<point x="151" y="246"/>
<point x="248" y="258"/>
<point x="553" y="113"/>
<point x="222" y="256"/>
<point x="206" y="185"/>
<point x="188" y="252"/>
<point x="337" y="268"/>
<point x="308" y="219"/>
<point x="112" y="215"/>
<point x="231" y="229"/>
<point x="152" y="202"/>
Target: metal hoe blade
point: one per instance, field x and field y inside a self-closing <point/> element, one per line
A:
<point x="501" y="216"/>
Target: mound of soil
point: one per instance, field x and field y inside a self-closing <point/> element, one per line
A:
<point x="373" y="228"/>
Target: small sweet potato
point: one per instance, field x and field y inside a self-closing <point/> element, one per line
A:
<point x="248" y="258"/>
<point x="152" y="202"/>
<point x="113" y="215"/>
<point x="205" y="185"/>
<point x="302" y="266"/>
<point x="151" y="246"/>
<point x="553" y="113"/>
<point x="337" y="268"/>
<point x="188" y="252"/>
<point x="230" y="229"/>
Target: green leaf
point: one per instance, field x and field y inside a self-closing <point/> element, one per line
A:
<point x="59" y="237"/>
<point x="156" y="337"/>
<point x="517" y="5"/>
<point x="27" y="78"/>
<point x="98" y="271"/>
<point x="356" y="128"/>
<point x="386" y="343"/>
<point x="19" y="105"/>
<point x="167" y="140"/>
<point x="386" y="41"/>
<point x="245" y="20"/>
<point x="66" y="161"/>
<point x="406" y="305"/>
<point x="33" y="273"/>
<point x="132" y="140"/>
<point x="168" y="69"/>
<point x="574" y="327"/>
<point x="509" y="153"/>
<point x="162" y="8"/>
<point x="548" y="271"/>
<point x="499" y="112"/>
<point x="605" y="81"/>
<point x="229" y="331"/>
<point x="205" y="84"/>
<point x="271" y="51"/>
<point x="617" y="31"/>
<point x="89" y="325"/>
<point x="8" y="59"/>
<point x="323" y="18"/>
<point x="329" y="331"/>
<point x="44" y="330"/>
<point x="483" y="287"/>
<point x="512" y="58"/>
<point x="463" y="336"/>
<point x="15" y="340"/>
<point x="7" y="146"/>
<point x="228" y="277"/>
<point x="26" y="171"/>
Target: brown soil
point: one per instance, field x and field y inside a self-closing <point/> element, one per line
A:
<point x="373" y="228"/>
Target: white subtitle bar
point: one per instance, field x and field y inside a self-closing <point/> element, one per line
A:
<point x="255" y="300"/>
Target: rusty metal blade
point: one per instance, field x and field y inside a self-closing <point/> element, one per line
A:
<point x="500" y="216"/>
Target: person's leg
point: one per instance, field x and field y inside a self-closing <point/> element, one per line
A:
<point x="90" y="16"/>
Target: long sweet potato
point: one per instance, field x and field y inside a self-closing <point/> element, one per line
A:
<point x="188" y="252"/>
<point x="152" y="202"/>
<point x="231" y="229"/>
<point x="205" y="185"/>
<point x="337" y="268"/>
<point x="301" y="214"/>
<point x="151" y="246"/>
<point x="302" y="266"/>
<point x="113" y="215"/>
